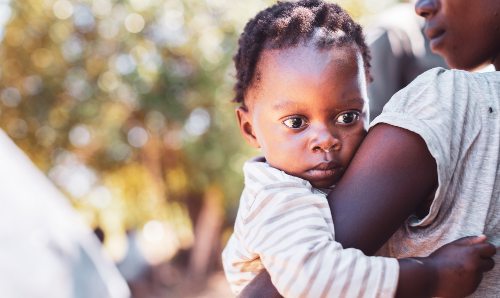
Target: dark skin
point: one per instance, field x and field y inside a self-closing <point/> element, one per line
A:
<point x="394" y="195"/>
<point x="465" y="34"/>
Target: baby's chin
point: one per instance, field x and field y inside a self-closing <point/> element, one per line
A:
<point x="325" y="184"/>
<point x="319" y="180"/>
<point x="324" y="181"/>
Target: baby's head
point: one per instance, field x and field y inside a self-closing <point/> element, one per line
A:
<point x="302" y="69"/>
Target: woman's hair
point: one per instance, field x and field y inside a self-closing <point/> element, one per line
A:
<point x="285" y="25"/>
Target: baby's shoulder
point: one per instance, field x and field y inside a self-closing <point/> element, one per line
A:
<point x="269" y="190"/>
<point x="260" y="177"/>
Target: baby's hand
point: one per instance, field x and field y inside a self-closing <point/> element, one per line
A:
<point x="460" y="265"/>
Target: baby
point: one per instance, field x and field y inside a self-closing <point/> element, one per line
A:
<point x="302" y="69"/>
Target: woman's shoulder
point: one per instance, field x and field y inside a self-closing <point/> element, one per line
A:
<point x="447" y="87"/>
<point x="438" y="75"/>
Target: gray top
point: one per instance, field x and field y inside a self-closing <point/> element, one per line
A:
<point x="457" y="114"/>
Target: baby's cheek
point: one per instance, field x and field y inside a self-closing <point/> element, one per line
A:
<point x="288" y="159"/>
<point x="352" y="141"/>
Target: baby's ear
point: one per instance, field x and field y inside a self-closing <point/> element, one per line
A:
<point x="246" y="128"/>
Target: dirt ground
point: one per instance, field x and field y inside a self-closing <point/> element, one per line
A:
<point x="168" y="281"/>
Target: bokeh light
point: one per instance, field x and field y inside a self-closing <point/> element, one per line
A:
<point x="10" y="97"/>
<point x="80" y="136"/>
<point x="134" y="23"/>
<point x="198" y="122"/>
<point x="62" y="9"/>
<point x="137" y="137"/>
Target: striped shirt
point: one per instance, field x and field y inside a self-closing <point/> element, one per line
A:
<point x="284" y="225"/>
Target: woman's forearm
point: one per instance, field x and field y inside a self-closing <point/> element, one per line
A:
<point x="261" y="286"/>
<point x="390" y="176"/>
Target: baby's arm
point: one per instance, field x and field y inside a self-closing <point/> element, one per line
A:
<point x="454" y="270"/>
<point x="291" y="234"/>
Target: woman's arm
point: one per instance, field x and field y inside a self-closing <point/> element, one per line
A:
<point x="391" y="175"/>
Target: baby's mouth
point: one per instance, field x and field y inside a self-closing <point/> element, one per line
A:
<point x="327" y="165"/>
<point x="324" y="170"/>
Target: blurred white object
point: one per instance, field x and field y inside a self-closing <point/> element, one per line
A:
<point x="133" y="266"/>
<point x="45" y="248"/>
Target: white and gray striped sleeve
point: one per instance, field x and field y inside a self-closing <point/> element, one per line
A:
<point x="290" y="228"/>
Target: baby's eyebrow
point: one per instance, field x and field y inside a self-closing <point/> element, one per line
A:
<point x="356" y="99"/>
<point x="285" y="105"/>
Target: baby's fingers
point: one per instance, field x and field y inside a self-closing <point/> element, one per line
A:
<point x="471" y="240"/>
<point x="486" y="264"/>
<point x="485" y="249"/>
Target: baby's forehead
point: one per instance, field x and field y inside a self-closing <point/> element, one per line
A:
<point x="303" y="66"/>
<point x="307" y="61"/>
<point x="307" y="53"/>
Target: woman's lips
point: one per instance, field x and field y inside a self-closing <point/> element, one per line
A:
<point x="435" y="37"/>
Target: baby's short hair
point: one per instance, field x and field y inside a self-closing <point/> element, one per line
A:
<point x="287" y="24"/>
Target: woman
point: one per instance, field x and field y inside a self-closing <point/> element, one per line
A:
<point x="437" y="139"/>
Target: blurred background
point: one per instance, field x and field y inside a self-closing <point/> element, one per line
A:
<point x="126" y="106"/>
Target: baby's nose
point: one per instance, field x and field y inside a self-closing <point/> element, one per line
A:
<point x="326" y="142"/>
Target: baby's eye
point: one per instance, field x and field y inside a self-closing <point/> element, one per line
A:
<point x="295" y="122"/>
<point x="347" y="118"/>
